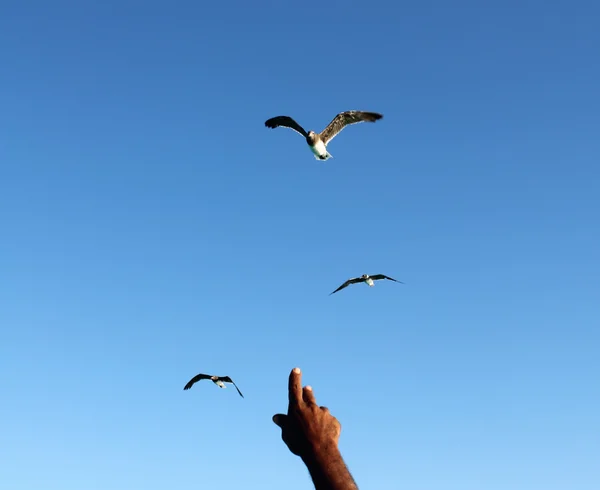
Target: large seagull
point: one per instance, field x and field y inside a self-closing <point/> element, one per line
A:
<point x="218" y="380"/>
<point x="364" y="278"/>
<point x="318" y="141"/>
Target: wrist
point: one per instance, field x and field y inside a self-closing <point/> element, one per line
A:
<point x="322" y="454"/>
<point x="327" y="469"/>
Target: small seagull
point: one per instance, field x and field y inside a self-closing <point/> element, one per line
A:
<point x="218" y="380"/>
<point x="318" y="142"/>
<point x="364" y="278"/>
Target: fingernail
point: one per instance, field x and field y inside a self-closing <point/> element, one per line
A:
<point x="297" y="370"/>
<point x="308" y="388"/>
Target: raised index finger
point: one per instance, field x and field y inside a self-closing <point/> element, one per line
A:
<point x="295" y="387"/>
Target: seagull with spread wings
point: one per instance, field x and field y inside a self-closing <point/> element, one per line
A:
<point x="218" y="380"/>
<point x="318" y="141"/>
<point x="364" y="278"/>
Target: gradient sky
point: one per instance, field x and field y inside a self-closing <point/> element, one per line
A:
<point x="153" y="228"/>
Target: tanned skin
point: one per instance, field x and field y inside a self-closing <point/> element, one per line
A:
<point x="312" y="433"/>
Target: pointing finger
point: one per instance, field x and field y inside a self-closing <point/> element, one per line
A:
<point x="295" y="387"/>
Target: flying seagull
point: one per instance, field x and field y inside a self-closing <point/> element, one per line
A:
<point x="218" y="380"/>
<point x="318" y="142"/>
<point x="364" y="278"/>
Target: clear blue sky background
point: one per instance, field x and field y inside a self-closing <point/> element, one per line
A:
<point x="153" y="228"/>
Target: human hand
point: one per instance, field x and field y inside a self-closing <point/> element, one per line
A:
<point x="307" y="429"/>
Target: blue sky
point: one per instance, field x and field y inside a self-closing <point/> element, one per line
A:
<point x="153" y="228"/>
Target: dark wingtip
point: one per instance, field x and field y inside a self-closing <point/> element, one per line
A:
<point x="270" y="123"/>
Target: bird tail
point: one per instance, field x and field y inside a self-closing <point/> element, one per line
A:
<point x="327" y="157"/>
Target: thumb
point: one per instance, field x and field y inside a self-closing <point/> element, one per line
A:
<point x="279" y="419"/>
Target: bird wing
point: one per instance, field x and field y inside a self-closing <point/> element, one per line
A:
<point x="286" y="122"/>
<point x="343" y="119"/>
<point x="376" y="277"/>
<point x="227" y="379"/>
<point x="354" y="280"/>
<point x="195" y="379"/>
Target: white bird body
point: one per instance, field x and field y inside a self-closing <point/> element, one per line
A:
<point x="320" y="151"/>
<point x="369" y="281"/>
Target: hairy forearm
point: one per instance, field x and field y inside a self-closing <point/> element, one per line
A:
<point x="328" y="470"/>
